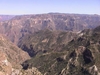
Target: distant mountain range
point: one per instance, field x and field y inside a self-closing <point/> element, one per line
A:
<point x="19" y="26"/>
<point x="6" y="17"/>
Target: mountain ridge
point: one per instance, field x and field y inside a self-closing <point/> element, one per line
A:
<point x="19" y="26"/>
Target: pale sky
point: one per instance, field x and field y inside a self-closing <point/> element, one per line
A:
<point x="20" y="7"/>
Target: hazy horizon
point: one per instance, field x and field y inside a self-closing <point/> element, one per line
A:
<point x="24" y="7"/>
<point x="45" y="13"/>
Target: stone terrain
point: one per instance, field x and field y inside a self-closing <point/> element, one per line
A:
<point x="11" y="57"/>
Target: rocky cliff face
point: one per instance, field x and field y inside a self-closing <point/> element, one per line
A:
<point x="15" y="54"/>
<point x="5" y="65"/>
<point x="19" y="26"/>
<point x="11" y="57"/>
<point x="7" y="68"/>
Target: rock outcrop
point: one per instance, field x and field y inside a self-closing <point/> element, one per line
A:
<point x="32" y="71"/>
<point x="5" y="65"/>
<point x="14" y="54"/>
<point x="11" y="57"/>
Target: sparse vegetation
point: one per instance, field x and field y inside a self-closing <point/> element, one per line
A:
<point x="75" y="57"/>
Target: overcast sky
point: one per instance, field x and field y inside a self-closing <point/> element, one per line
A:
<point x="19" y="7"/>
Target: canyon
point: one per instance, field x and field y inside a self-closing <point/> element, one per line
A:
<point x="50" y="44"/>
